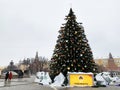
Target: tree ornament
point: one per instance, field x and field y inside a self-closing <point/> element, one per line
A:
<point x="68" y="61"/>
<point x="75" y="68"/>
<point x="66" y="41"/>
<point x="75" y="32"/>
<point x="74" y="60"/>
<point x="68" y="68"/>
<point x="71" y="64"/>
<point x="82" y="68"/>
<point x="73" y="48"/>
<point x="63" y="65"/>
<point x="78" y="65"/>
<point x="94" y="69"/>
<point x="76" y="51"/>
<point x="67" y="34"/>
<point x="81" y="55"/>
<point x="79" y="40"/>
<point x="68" y="17"/>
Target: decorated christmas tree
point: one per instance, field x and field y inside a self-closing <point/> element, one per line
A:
<point x="72" y="52"/>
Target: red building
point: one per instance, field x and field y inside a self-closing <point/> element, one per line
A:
<point x="111" y="66"/>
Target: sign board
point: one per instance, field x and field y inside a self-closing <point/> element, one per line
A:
<point x="81" y="79"/>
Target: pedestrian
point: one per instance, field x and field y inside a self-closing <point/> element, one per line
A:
<point x="6" y="75"/>
<point x="10" y="75"/>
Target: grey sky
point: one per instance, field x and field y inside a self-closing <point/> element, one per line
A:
<point x="27" y="26"/>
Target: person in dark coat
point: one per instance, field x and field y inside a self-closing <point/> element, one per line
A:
<point x="6" y="76"/>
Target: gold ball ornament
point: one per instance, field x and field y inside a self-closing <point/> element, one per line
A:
<point x="71" y="64"/>
<point x="74" y="60"/>
<point x="75" y="32"/>
<point x="94" y="69"/>
<point x="82" y="68"/>
<point x="68" y="68"/>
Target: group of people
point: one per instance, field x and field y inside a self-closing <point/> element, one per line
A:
<point x="8" y="76"/>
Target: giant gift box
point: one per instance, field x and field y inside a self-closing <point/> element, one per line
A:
<point x="80" y="79"/>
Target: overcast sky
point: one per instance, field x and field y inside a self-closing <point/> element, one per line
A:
<point x="27" y="26"/>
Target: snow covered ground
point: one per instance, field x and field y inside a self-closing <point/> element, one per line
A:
<point x="103" y="78"/>
<point x="43" y="78"/>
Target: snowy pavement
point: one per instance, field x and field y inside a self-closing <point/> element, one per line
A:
<point x="40" y="87"/>
<point x="14" y="82"/>
<point x="22" y="84"/>
<point x="29" y="84"/>
<point x="27" y="87"/>
<point x="34" y="86"/>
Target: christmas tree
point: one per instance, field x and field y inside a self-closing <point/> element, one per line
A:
<point x="72" y="52"/>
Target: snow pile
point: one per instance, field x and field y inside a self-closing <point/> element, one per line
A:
<point x="58" y="81"/>
<point x="43" y="78"/>
<point x="39" y="76"/>
<point x="103" y="78"/>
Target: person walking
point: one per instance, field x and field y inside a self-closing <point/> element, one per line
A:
<point x="6" y="76"/>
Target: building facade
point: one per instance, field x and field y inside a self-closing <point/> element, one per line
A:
<point x="109" y="64"/>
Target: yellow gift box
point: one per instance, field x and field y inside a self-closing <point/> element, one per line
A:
<point x="80" y="79"/>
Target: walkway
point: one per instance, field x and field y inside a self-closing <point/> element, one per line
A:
<point x="14" y="82"/>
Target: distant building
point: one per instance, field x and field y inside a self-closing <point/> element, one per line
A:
<point x="1" y="68"/>
<point x="23" y="67"/>
<point x="109" y="64"/>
